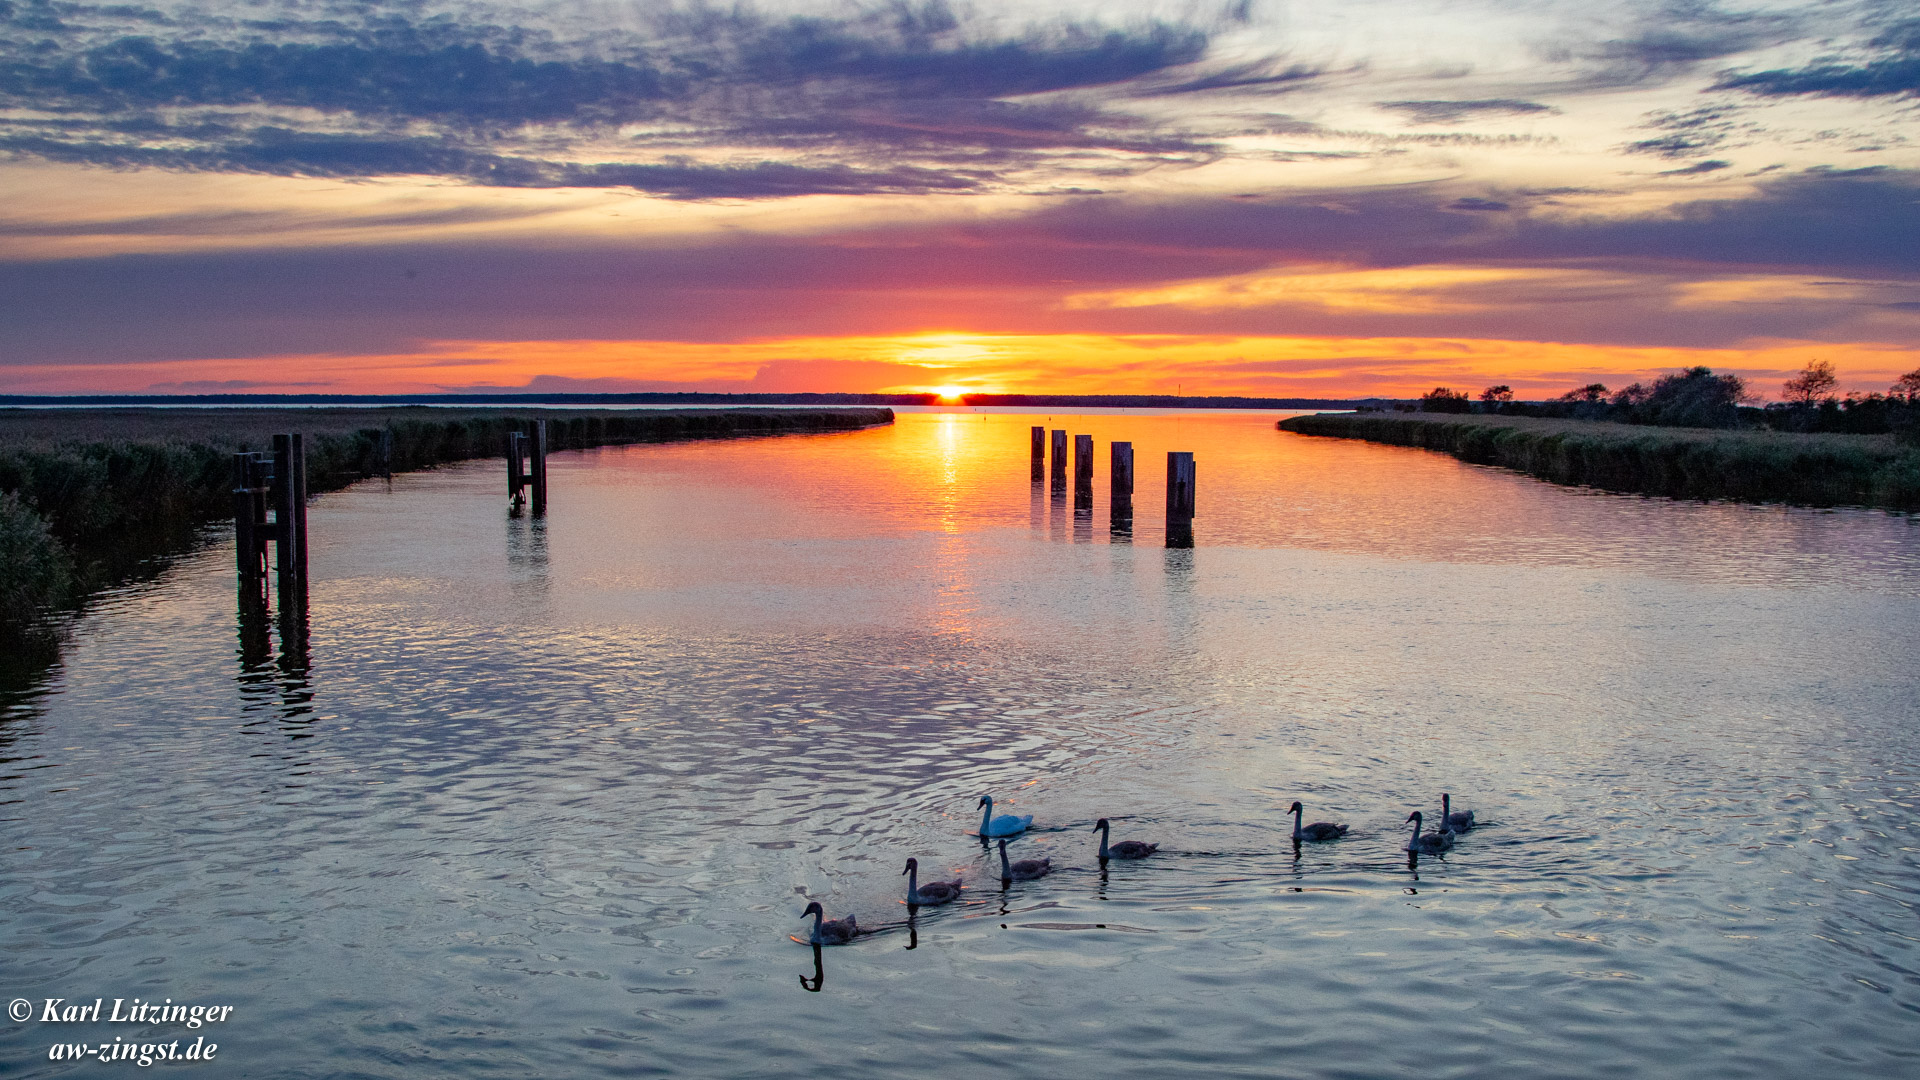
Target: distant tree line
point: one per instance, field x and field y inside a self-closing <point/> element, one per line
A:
<point x="1696" y="397"/>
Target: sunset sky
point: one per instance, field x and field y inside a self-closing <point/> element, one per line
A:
<point x="1293" y="199"/>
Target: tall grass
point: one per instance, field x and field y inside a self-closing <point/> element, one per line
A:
<point x="36" y="574"/>
<point x="1752" y="466"/>
<point x="89" y="495"/>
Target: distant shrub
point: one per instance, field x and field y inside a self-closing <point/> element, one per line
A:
<point x="1444" y="400"/>
<point x="1695" y="397"/>
<point x="1874" y="414"/>
<point x="1817" y="381"/>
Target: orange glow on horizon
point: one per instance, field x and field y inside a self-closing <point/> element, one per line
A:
<point x="952" y="364"/>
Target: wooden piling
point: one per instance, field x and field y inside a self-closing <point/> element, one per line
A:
<point x="516" y="471"/>
<point x="1059" y="461"/>
<point x="288" y="497"/>
<point x="275" y="482"/>
<point x="246" y="547"/>
<point x="1120" y="475"/>
<point x="299" y="480"/>
<point x="1180" y="500"/>
<point x="1083" y="472"/>
<point x="282" y="499"/>
<point x="539" y="468"/>
<point x="1039" y="454"/>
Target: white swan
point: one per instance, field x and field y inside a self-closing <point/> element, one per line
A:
<point x="837" y="932"/>
<point x="1430" y="843"/>
<point x="933" y="892"/>
<point x="1004" y="825"/>
<point x="1025" y="869"/>
<point x="1451" y="820"/>
<point x="1125" y="849"/>
<point x="1319" y="830"/>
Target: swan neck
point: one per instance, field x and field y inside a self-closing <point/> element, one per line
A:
<point x="1103" y="841"/>
<point x="986" y="816"/>
<point x="1006" y="869"/>
<point x="1296" y="824"/>
<point x="913" y="882"/>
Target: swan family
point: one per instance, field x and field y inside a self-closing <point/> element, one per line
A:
<point x="933" y="893"/>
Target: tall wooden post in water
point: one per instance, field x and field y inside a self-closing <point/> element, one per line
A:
<point x="274" y="482"/>
<point x="1083" y="472"/>
<point x="250" y="481"/>
<point x="290" y="512"/>
<point x="1059" y="462"/>
<point x="539" y="468"/>
<point x="1180" y="483"/>
<point x="1120" y="474"/>
<point x="1039" y="454"/>
<point x="527" y="468"/>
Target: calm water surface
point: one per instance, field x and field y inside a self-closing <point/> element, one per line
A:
<point x="546" y="799"/>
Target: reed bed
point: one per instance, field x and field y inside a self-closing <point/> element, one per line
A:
<point x="1691" y="463"/>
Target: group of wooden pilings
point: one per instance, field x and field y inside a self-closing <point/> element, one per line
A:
<point x="527" y="469"/>
<point x="1180" y="481"/>
<point x="270" y="504"/>
<point x="275" y="484"/>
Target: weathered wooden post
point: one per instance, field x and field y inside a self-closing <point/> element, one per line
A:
<point x="516" y="471"/>
<point x="281" y="499"/>
<point x="539" y="468"/>
<point x="246" y="544"/>
<point x="386" y="452"/>
<point x="290" y="513"/>
<point x="1180" y="483"/>
<point x="1059" y="462"/>
<point x="276" y="482"/>
<point x="1121" y="487"/>
<point x="1039" y="454"/>
<point x="1083" y="472"/>
<point x="299" y="479"/>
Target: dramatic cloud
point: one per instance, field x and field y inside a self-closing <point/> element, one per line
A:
<point x="694" y="103"/>
<point x="1887" y="66"/>
<point x="801" y="194"/>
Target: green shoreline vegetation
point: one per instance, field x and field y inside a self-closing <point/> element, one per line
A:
<point x="88" y="497"/>
<point x="1694" y="463"/>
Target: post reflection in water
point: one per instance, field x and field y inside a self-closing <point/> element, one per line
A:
<point x="276" y="680"/>
<point x="529" y="565"/>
